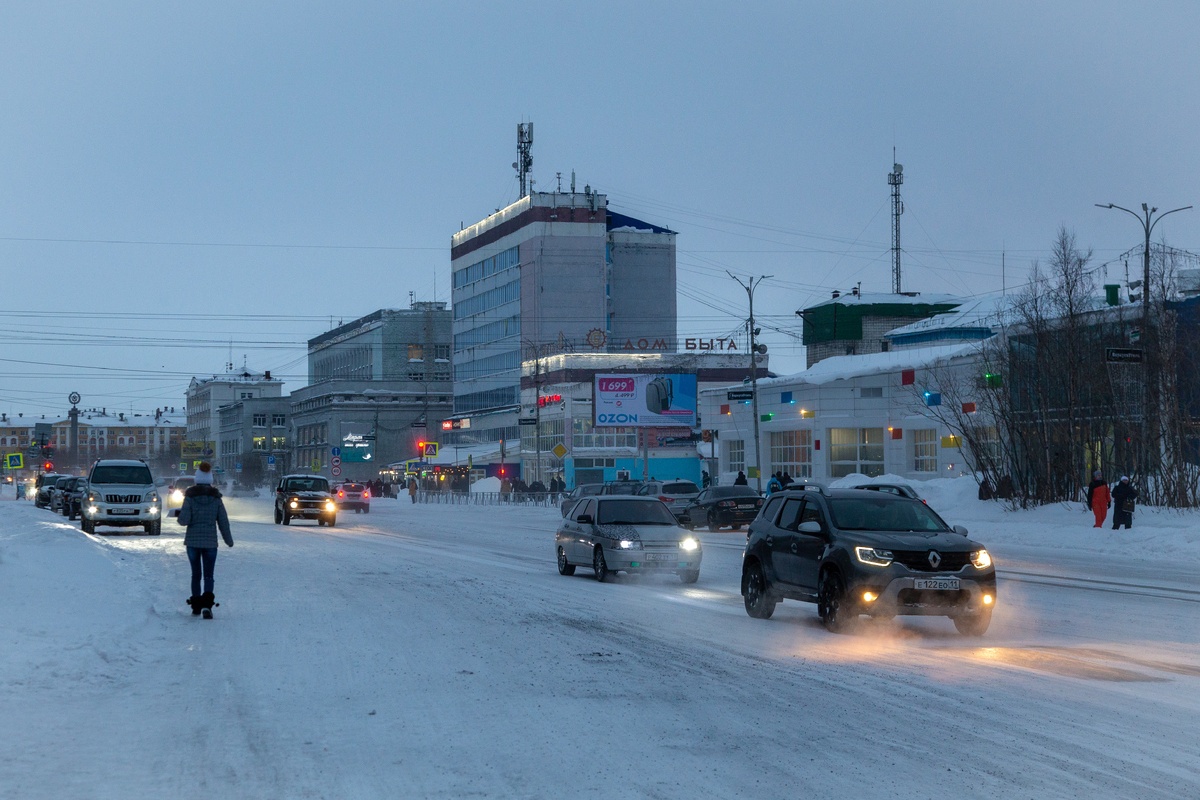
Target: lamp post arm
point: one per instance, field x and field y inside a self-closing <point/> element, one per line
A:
<point x="1160" y="216"/>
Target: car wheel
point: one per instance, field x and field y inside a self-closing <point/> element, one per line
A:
<point x="287" y="518"/>
<point x="278" y="517"/>
<point x="832" y="605"/>
<point x="599" y="565"/>
<point x="736" y="527"/>
<point x="974" y="624"/>
<point x="331" y="522"/>
<point x="759" y="602"/>
<point x="153" y="528"/>
<point x="687" y="523"/>
<point x="713" y="525"/>
<point x="367" y="510"/>
<point x="87" y="526"/>
<point x="690" y="576"/>
<point x="564" y="566"/>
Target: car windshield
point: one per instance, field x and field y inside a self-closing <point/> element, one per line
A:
<point x="733" y="491"/>
<point x="683" y="487"/>
<point x="622" y="488"/>
<point x="634" y="512"/>
<point x="306" y="485"/>
<point x="884" y="514"/>
<point x="352" y="487"/>
<point x="130" y="474"/>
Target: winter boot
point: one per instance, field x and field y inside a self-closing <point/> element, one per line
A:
<point x="194" y="602"/>
<point x="207" y="601"/>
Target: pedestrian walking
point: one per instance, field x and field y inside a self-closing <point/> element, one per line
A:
<point x="741" y="479"/>
<point x="1124" y="497"/>
<point x="203" y="514"/>
<point x="774" y="485"/>
<point x="412" y="489"/>
<point x="1099" y="499"/>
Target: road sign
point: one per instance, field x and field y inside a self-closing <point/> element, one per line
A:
<point x="559" y="450"/>
<point x="237" y="466"/>
<point x="15" y="461"/>
<point x="740" y="394"/>
<point x="335" y="451"/>
<point x="270" y="461"/>
<point x="335" y="471"/>
<point x="527" y="421"/>
<point x="335" y="461"/>
<point x="418" y="424"/>
<point x="431" y="449"/>
<point x="1123" y="355"/>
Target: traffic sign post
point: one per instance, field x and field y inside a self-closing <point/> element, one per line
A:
<point x="335" y="471"/>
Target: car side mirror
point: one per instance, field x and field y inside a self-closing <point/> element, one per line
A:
<point x="584" y="519"/>
<point x="810" y="526"/>
<point x="960" y="530"/>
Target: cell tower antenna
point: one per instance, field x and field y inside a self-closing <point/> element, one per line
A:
<point x="524" y="162"/>
<point x="895" y="178"/>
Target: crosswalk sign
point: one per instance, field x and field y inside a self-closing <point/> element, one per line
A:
<point x="15" y="461"/>
<point x="431" y="449"/>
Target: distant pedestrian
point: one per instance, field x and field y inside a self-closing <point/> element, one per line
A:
<point x="741" y="479"/>
<point x="412" y="489"/>
<point x="774" y="485"/>
<point x="786" y="480"/>
<point x="705" y="479"/>
<point x="1125" y="498"/>
<point x="1099" y="499"/>
<point x="203" y="514"/>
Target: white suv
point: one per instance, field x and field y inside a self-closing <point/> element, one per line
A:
<point x="121" y="493"/>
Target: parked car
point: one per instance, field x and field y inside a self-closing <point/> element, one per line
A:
<point x="304" y="497"/>
<point x="175" y="492"/>
<point x="855" y="552"/>
<point x="55" y="495"/>
<point x="901" y="489"/>
<point x="73" y="497"/>
<point x="42" y="485"/>
<point x="121" y="493"/>
<point x="676" y="494"/>
<point x="723" y="506"/>
<point x="620" y="533"/>
<point x="621" y="487"/>
<point x="582" y="490"/>
<point x="355" y="496"/>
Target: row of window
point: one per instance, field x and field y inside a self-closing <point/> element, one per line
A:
<point x="489" y="398"/>
<point x="486" y="334"/>
<point x="851" y="450"/>
<point x="486" y="301"/>
<point x="487" y="267"/>
<point x="490" y="365"/>
<point x="277" y="420"/>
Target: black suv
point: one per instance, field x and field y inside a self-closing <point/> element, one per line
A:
<point x="304" y="497"/>
<point x="855" y="552"/>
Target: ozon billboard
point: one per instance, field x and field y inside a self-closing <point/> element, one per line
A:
<point x="645" y="400"/>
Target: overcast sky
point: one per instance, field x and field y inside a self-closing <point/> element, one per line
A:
<point x="184" y="185"/>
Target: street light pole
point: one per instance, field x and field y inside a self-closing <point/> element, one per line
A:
<point x="1150" y="413"/>
<point x="749" y="287"/>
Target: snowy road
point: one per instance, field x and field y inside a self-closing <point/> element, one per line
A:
<point x="434" y="651"/>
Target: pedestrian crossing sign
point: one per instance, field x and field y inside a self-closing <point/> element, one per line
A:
<point x="15" y="461"/>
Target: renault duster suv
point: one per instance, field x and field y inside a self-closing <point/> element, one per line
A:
<point x="121" y="493"/>
<point x="855" y="552"/>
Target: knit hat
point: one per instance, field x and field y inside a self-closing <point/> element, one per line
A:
<point x="1124" y="478"/>
<point x="204" y="473"/>
<point x="1096" y="474"/>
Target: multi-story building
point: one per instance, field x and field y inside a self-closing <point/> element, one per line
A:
<point x="376" y="386"/>
<point x="206" y="397"/>
<point x="253" y="437"/>
<point x="856" y="323"/>
<point x="552" y="273"/>
<point x="155" y="437"/>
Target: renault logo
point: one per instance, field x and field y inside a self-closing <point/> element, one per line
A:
<point x="935" y="559"/>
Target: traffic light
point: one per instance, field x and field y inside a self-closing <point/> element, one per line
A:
<point x="48" y="466"/>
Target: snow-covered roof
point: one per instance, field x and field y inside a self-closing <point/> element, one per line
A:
<point x="887" y="298"/>
<point x="987" y="311"/>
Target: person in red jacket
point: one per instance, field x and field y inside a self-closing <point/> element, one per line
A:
<point x="1099" y="498"/>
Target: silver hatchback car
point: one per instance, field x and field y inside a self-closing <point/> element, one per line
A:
<point x="621" y="533"/>
<point x="677" y="494"/>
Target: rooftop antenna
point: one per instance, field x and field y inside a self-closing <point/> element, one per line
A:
<point x="411" y="298"/>
<point x="524" y="161"/>
<point x="572" y="181"/>
<point x="895" y="178"/>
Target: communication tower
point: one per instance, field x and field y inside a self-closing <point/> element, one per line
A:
<point x="895" y="178"/>
<point x="524" y="161"/>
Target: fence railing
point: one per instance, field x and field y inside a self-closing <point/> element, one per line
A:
<point x="546" y="499"/>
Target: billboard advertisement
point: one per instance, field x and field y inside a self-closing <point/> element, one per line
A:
<point x="645" y="400"/>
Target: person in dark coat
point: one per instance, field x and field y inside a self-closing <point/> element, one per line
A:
<point x="786" y="480"/>
<point x="203" y="514"/>
<point x="1099" y="499"/>
<point x="1123" y="496"/>
<point x="741" y="479"/>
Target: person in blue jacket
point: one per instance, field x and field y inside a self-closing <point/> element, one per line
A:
<point x="774" y="485"/>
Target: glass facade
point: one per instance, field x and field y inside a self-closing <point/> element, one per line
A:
<point x="792" y="452"/>
<point x="486" y="268"/>
<point x="855" y="450"/>
<point x="925" y="450"/>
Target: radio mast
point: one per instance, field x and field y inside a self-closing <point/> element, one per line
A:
<point x="895" y="178"/>
<point x="524" y="161"/>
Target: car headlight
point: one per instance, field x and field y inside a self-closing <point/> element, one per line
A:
<point x="293" y="503"/>
<point x="329" y="506"/>
<point x="151" y="497"/>
<point x="873" y="556"/>
<point x="980" y="559"/>
<point x="689" y="544"/>
<point x="629" y="544"/>
<point x="177" y="496"/>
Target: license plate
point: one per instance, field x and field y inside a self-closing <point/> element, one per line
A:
<point x="746" y="508"/>
<point x="937" y="584"/>
<point x="122" y="511"/>
<point x="659" y="557"/>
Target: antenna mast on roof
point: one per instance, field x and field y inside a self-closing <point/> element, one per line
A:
<point x="524" y="161"/>
<point x="895" y="178"/>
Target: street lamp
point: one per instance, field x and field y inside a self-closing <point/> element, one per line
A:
<point x="749" y="286"/>
<point x="1150" y="413"/>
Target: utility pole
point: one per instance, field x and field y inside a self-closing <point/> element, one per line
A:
<point x="1150" y="417"/>
<point x="895" y="178"/>
<point x="754" y="353"/>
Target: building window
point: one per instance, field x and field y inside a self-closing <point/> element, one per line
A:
<point x="925" y="450"/>
<point x="584" y="435"/>
<point x="855" y="450"/>
<point x="791" y="452"/>
<point x="735" y="453"/>
<point x="260" y="443"/>
<point x="278" y="420"/>
<point x="246" y="396"/>
<point x="260" y="420"/>
<point x="871" y="391"/>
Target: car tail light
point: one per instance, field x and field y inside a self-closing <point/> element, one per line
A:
<point x="758" y="502"/>
<point x="666" y="499"/>
<point x="366" y="493"/>
<point x="726" y="504"/>
<point x="341" y="493"/>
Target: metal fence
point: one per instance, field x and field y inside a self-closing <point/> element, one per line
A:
<point x="529" y="499"/>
